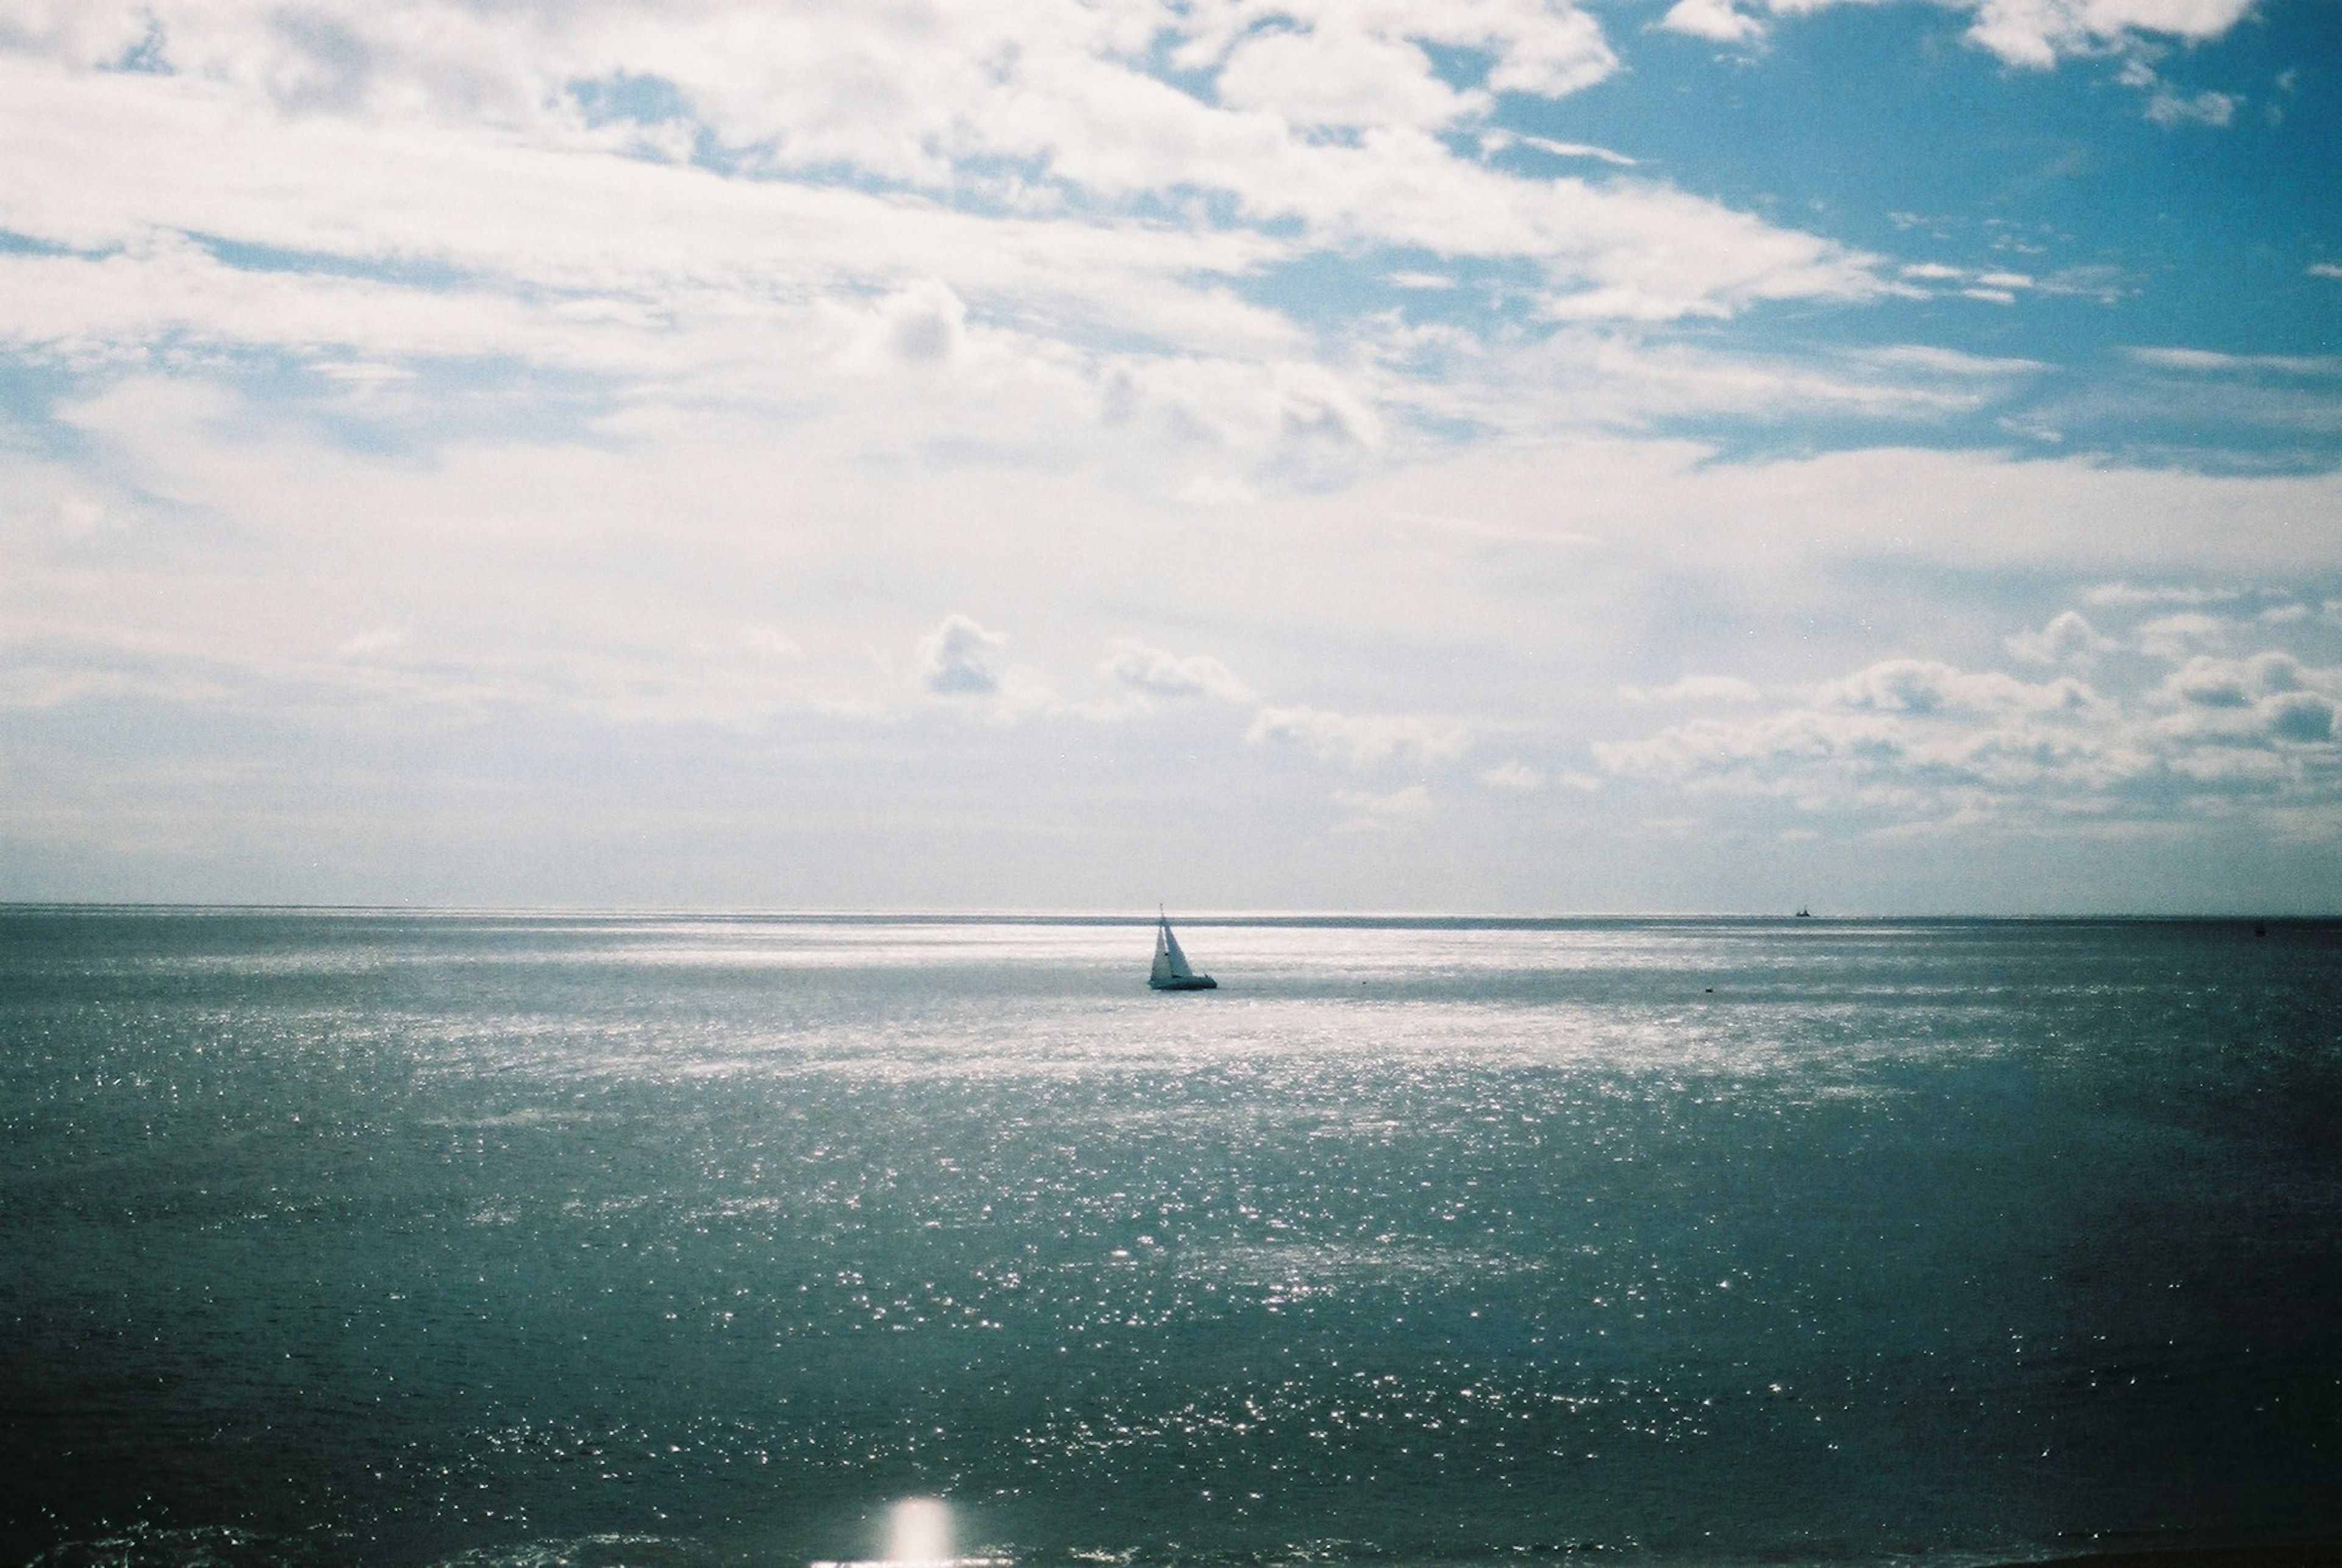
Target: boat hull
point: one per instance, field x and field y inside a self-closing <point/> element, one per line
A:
<point x="1193" y="982"/>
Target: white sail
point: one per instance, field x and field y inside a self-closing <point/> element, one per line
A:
<point x="1170" y="964"/>
<point x="1171" y="972"/>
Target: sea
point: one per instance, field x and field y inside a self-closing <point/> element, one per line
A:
<point x="396" y="1238"/>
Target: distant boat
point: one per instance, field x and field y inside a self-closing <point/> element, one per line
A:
<point x="1804" y="914"/>
<point x="1171" y="972"/>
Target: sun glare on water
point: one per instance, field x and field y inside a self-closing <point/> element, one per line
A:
<point x="919" y="1534"/>
<point x="919" y="1531"/>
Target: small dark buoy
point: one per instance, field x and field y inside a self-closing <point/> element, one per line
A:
<point x="1711" y="990"/>
<point x="2259" y="930"/>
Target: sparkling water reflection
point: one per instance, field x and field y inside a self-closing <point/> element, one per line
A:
<point x="420" y="1239"/>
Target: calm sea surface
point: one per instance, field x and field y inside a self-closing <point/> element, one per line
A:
<point x="390" y="1239"/>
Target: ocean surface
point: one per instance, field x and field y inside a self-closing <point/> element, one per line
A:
<point x="412" y="1238"/>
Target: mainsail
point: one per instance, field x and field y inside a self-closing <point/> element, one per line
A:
<point x="1171" y="972"/>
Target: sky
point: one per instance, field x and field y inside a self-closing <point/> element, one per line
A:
<point x="1490" y="456"/>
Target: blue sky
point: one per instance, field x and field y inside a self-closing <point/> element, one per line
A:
<point x="1702" y="454"/>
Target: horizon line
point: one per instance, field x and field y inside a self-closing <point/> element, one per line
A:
<point x="1205" y="916"/>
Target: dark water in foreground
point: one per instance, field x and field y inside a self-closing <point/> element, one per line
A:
<point x="391" y="1239"/>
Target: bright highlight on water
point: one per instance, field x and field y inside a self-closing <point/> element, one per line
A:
<point x="918" y="1531"/>
<point x="919" y="1534"/>
<point x="412" y="1240"/>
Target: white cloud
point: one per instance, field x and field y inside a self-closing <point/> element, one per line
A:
<point x="80" y="517"/>
<point x="2067" y="636"/>
<point x="539" y="269"/>
<point x="1517" y="776"/>
<point x="2173" y="636"/>
<point x="2260" y="717"/>
<point x="2199" y="360"/>
<point x="925" y="324"/>
<point x="1363" y="740"/>
<point x="770" y="643"/>
<point x="454" y="149"/>
<point x="2130" y="595"/>
<point x="1697" y="689"/>
<point x="1550" y="50"/>
<point x="1586" y="375"/>
<point x="1494" y="141"/>
<point x="2214" y="109"/>
<point x="1397" y="812"/>
<point x="1951" y="363"/>
<point x="961" y="659"/>
<point x="602" y="581"/>
<point x="2166" y="106"/>
<point x="440" y="240"/>
<point x="2035" y="34"/>
<point x="1931" y="686"/>
<point x="1157" y="673"/>
<point x="1908" y="741"/>
<point x="2207" y="680"/>
<point x="1537" y="47"/>
<point x="1521" y="778"/>
<point x="377" y="640"/>
<point x="1256" y="410"/>
<point x="1719" y="20"/>
<point x="1338" y="76"/>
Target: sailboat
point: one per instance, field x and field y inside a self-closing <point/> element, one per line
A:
<point x="1171" y="972"/>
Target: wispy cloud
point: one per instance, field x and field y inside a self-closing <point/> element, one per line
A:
<point x="1397" y="812"/>
<point x="2035" y="34"/>
<point x="2207" y="108"/>
<point x="2206" y="362"/>
<point x="1158" y="673"/>
<point x="1517" y="776"/>
<point x="1363" y="740"/>
<point x="1697" y="689"/>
